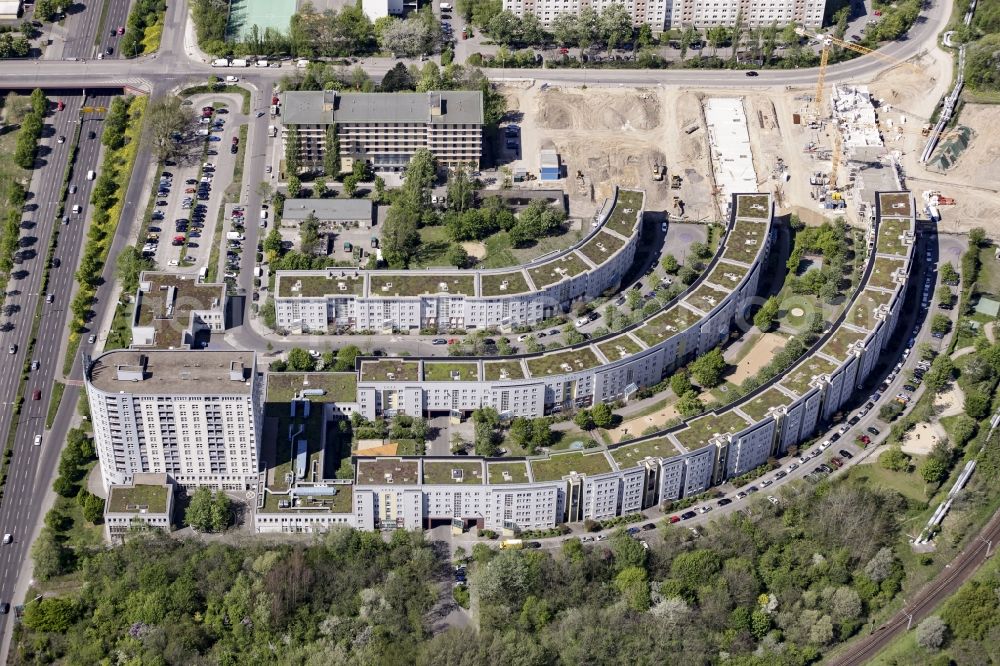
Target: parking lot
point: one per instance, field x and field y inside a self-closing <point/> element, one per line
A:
<point x="190" y="192"/>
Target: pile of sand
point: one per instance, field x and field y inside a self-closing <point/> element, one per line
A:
<point x="611" y="110"/>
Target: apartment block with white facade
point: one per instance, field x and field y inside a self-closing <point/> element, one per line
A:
<point x="663" y="15"/>
<point x="192" y="416"/>
<point x="340" y="299"/>
<point x="384" y="130"/>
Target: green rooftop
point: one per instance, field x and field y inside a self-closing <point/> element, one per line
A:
<point x="758" y="408"/>
<point x="559" y="465"/>
<point x="501" y="284"/>
<point x="392" y="471"/>
<point x="571" y="360"/>
<point x="841" y="340"/>
<point x="629" y="455"/>
<point x="380" y="371"/>
<point x="700" y="430"/>
<point x="619" y="347"/>
<point x="753" y="205"/>
<point x="862" y="312"/>
<point x="601" y="247"/>
<point x="890" y="236"/>
<point x="553" y="271"/>
<point x="745" y="241"/>
<point x="339" y="502"/>
<point x="507" y="472"/>
<point x="171" y="319"/>
<point x="337" y="386"/>
<point x="798" y="379"/>
<point x="620" y="221"/>
<point x="881" y="275"/>
<point x="495" y="370"/>
<point x="317" y="285"/>
<point x="666" y="325"/>
<point x="447" y="472"/>
<point x="897" y="204"/>
<point x="126" y="499"/>
<point x="416" y="283"/>
<point x="447" y="371"/>
<point x="727" y="275"/>
<point x="706" y="298"/>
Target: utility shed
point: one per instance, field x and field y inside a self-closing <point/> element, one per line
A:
<point x="549" y="159"/>
<point x="10" y="11"/>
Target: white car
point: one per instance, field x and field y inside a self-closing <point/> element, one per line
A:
<point x="772" y="499"/>
<point x="522" y="338"/>
<point x="803" y="459"/>
<point x="7" y="538"/>
<point x="38" y="440"/>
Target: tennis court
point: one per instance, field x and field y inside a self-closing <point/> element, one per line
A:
<point x="244" y="14"/>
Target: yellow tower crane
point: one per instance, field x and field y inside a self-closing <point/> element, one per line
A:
<point x="824" y="59"/>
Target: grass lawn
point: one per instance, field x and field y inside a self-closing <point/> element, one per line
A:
<point x="434" y="243"/>
<point x="57" y="393"/>
<point x="989" y="273"/>
<point x="120" y="335"/>
<point x="908" y="484"/>
<point x="500" y="253"/>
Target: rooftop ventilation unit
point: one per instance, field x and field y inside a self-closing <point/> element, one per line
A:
<point x="503" y="285"/>
<point x="442" y="286"/>
<point x="391" y="376"/>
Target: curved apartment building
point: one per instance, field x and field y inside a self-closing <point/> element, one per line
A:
<point x="340" y="300"/>
<point x="683" y="461"/>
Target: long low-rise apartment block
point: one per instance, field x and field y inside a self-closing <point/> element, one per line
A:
<point x="663" y="15"/>
<point x="339" y="300"/>
<point x="683" y="461"/>
<point x="384" y="130"/>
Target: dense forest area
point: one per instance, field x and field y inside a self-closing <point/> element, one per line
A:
<point x="779" y="586"/>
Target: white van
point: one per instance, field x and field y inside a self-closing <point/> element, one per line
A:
<point x="445" y="6"/>
<point x="263" y="214"/>
<point x="91" y="175"/>
<point x="582" y="321"/>
<point x="232" y="79"/>
<point x="202" y="132"/>
<point x="77" y="209"/>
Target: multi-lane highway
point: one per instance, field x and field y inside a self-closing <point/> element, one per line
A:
<point x="31" y="467"/>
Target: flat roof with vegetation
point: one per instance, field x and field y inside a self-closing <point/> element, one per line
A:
<point x="338" y="386"/>
<point x="189" y="295"/>
<point x="862" y="312"/>
<point x="745" y="241"/>
<point x="446" y="371"/>
<point x="727" y="275"/>
<point x="842" y="339"/>
<point x="507" y="472"/>
<point x="128" y="499"/>
<point x="882" y="270"/>
<point x="613" y="349"/>
<point x="559" y="465"/>
<point x="666" y="325"/>
<point x="621" y="221"/>
<point x="448" y="472"/>
<point x="699" y="431"/>
<point x="574" y="360"/>
<point x="494" y="369"/>
<point x="568" y="265"/>
<point x="394" y="471"/>
<point x="419" y="284"/>
<point x="706" y="298"/>
<point x="379" y="371"/>
<point x="798" y="379"/>
<point x="758" y="408"/>
<point x="630" y="454"/>
<point x="897" y="204"/>
<point x="340" y="502"/>
<point x="753" y="205"/>
<point x="890" y="233"/>
<point x="601" y="247"/>
<point x="500" y="284"/>
<point x="318" y="285"/>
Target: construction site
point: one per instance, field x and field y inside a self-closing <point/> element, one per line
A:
<point x="822" y="150"/>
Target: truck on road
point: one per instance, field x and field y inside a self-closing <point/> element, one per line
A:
<point x="220" y="62"/>
<point x="240" y="62"/>
<point x="511" y="544"/>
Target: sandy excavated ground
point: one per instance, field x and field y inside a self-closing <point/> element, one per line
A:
<point x="951" y="402"/>
<point x="634" y="427"/>
<point x="922" y="438"/>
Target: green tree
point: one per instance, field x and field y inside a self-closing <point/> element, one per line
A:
<point x="272" y="243"/>
<point x="521" y="431"/>
<point x="894" y="460"/>
<point x="934" y="469"/>
<point x="707" y="369"/>
<point x="130" y="265"/>
<point x="294" y="187"/>
<point x="766" y="315"/>
<point x="292" y="151"/>
<point x="602" y="415"/>
<point x="309" y="238"/>
<point x="299" y="360"/>
<point x="584" y="420"/>
<point x="963" y="429"/>
<point x="940" y="323"/>
<point x="208" y="511"/>
<point x="689" y="404"/>
<point x="50" y="557"/>
<point x="400" y="238"/>
<point x="633" y="586"/>
<point x="331" y="156"/>
<point x="949" y="274"/>
<point x="680" y="383"/>
<point x="52" y="614"/>
<point x="977" y="237"/>
<point x="977" y="404"/>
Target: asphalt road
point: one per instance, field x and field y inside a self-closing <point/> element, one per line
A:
<point x="32" y="467"/>
<point x="160" y="72"/>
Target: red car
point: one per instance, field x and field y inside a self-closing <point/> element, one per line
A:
<point x="564" y="50"/>
<point x="236" y="140"/>
<point x="274" y="100"/>
<point x="453" y="341"/>
<point x="675" y="519"/>
<point x="60" y="106"/>
<point x="878" y="12"/>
